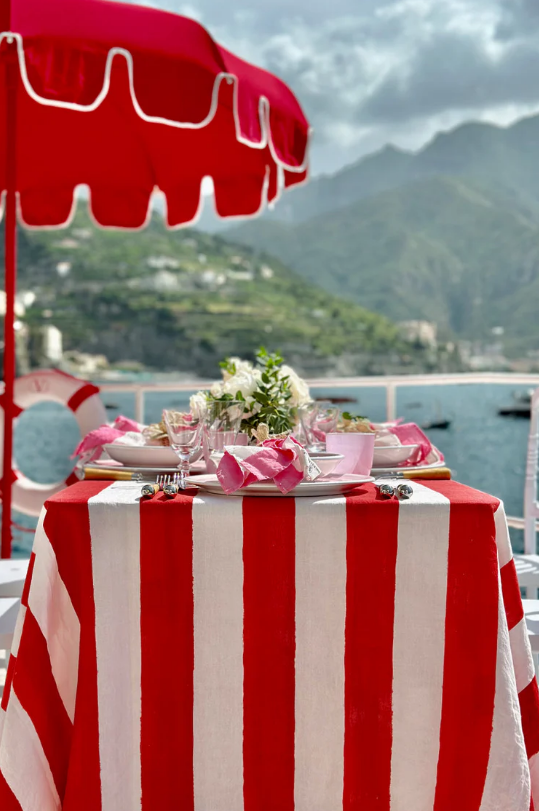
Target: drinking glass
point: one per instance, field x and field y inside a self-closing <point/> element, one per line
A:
<point x="223" y="423"/>
<point x="185" y="437"/>
<point x="318" y="419"/>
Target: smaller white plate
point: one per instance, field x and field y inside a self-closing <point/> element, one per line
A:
<point x="330" y="486"/>
<point x="392" y="455"/>
<point x="161" y="456"/>
<point x="327" y="462"/>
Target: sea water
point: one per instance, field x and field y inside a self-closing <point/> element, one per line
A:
<point x="484" y="450"/>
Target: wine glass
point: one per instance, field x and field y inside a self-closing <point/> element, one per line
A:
<point x="185" y="437"/>
<point x="223" y="423"/>
<point x="318" y="419"/>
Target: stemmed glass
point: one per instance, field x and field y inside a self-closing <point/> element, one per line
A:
<point x="318" y="419"/>
<point x="223" y="423"/>
<point x="185" y="437"/>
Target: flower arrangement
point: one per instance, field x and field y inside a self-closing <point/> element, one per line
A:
<point x="156" y="434"/>
<point x="270" y="390"/>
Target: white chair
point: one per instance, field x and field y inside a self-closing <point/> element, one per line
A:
<point x="12" y="576"/>
<point x="531" y="615"/>
<point x="527" y="565"/>
<point x="531" y="504"/>
<point x="9" y="611"/>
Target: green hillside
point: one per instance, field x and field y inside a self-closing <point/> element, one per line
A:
<point x="453" y="251"/>
<point x="182" y="300"/>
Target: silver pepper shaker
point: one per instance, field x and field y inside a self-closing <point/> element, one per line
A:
<point x="386" y="490"/>
<point x="404" y="491"/>
<point x="149" y="490"/>
<point x="171" y="489"/>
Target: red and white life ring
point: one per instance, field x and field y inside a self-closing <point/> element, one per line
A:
<point x="80" y="396"/>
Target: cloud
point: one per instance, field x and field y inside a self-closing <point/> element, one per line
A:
<point x="374" y="71"/>
<point x="518" y="18"/>
<point x="454" y="72"/>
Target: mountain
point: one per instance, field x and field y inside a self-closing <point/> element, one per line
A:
<point x="451" y="250"/>
<point x="182" y="300"/>
<point x="505" y="158"/>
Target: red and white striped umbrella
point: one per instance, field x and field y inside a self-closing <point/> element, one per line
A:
<point x="127" y="100"/>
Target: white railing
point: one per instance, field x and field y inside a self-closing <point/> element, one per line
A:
<point x="391" y="383"/>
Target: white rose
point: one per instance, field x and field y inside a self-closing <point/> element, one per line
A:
<point x="198" y="404"/>
<point x="240" y="366"/>
<point x="245" y="381"/>
<point x="298" y="387"/>
<point x="216" y="389"/>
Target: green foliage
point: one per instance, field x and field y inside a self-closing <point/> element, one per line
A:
<point x="353" y="417"/>
<point x="228" y="366"/>
<point x="269" y="403"/>
<point x="273" y="395"/>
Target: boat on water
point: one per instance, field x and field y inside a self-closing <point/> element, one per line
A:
<point x="520" y="407"/>
<point x="438" y="422"/>
<point x="336" y="400"/>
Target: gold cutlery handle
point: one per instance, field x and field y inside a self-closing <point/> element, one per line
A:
<point x="433" y="474"/>
<point x="98" y="474"/>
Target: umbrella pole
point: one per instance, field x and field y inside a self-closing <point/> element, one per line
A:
<point x="10" y="249"/>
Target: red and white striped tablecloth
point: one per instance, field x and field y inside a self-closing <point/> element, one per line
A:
<point x="226" y="654"/>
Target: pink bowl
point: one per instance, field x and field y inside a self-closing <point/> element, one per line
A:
<point x="357" y="449"/>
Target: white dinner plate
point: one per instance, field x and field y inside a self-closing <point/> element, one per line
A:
<point x="159" y="456"/>
<point x="114" y="467"/>
<point x="392" y="455"/>
<point x="376" y="471"/>
<point x="330" y="486"/>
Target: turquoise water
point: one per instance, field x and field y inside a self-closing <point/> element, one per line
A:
<point x="484" y="450"/>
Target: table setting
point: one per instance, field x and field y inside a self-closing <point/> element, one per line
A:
<point x="260" y="418"/>
<point x="295" y="628"/>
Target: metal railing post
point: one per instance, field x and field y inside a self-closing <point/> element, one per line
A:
<point x="531" y="506"/>
<point x="139" y="404"/>
<point x="391" y="402"/>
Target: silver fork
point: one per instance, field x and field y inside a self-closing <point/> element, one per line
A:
<point x="164" y="481"/>
<point x="166" y="478"/>
<point x="170" y="485"/>
<point x="161" y="479"/>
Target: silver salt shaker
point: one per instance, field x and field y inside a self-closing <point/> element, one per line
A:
<point x="404" y="491"/>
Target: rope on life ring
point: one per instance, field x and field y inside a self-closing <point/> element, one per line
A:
<point x="80" y="396"/>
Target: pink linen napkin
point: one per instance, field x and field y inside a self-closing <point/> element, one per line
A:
<point x="411" y="434"/>
<point x="283" y="461"/>
<point x="90" y="448"/>
<point x="126" y="424"/>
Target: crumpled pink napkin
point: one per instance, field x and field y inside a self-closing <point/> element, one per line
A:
<point x="90" y="448"/>
<point x="284" y="461"/>
<point x="126" y="424"/>
<point x="411" y="434"/>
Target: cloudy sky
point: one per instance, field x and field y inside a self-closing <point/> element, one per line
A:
<point x="371" y="72"/>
